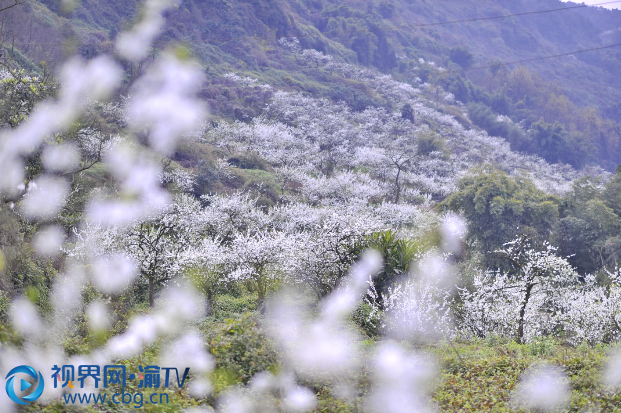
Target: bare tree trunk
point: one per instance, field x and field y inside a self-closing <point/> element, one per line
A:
<point x="209" y="295"/>
<point x="397" y="186"/>
<point x="261" y="293"/>
<point x="529" y="288"/>
<point x="151" y="292"/>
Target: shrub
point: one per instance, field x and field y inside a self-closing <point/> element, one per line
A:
<point x="241" y="348"/>
<point x="5" y="305"/>
<point x="367" y="319"/>
<point x="227" y="305"/>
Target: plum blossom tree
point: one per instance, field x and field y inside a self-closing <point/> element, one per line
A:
<point x="205" y="264"/>
<point x="260" y="259"/>
<point x="524" y="302"/>
<point x="536" y="269"/>
<point x="592" y="312"/>
<point x="155" y="243"/>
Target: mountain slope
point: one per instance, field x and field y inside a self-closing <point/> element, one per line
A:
<point x="568" y="107"/>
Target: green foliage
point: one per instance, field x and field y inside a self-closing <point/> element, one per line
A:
<point x="76" y="344"/>
<point x="430" y="142"/>
<point x="493" y="340"/>
<point x="5" y="306"/>
<point x="386" y="9"/>
<point x="612" y="193"/>
<point x="354" y="98"/>
<point x="483" y="378"/>
<point x="19" y="93"/>
<point x="367" y="319"/>
<point x="208" y="179"/>
<point x="590" y="224"/>
<point x="462" y="56"/>
<point x="248" y="161"/>
<point x="483" y="117"/>
<point x="397" y="253"/>
<point x="542" y="347"/>
<point x="565" y="133"/>
<point x="264" y="184"/>
<point x="500" y="208"/>
<point x="241" y="348"/>
<point x="24" y="272"/>
<point x="550" y="140"/>
<point x="407" y="112"/>
<point x="327" y="403"/>
<point x="228" y="306"/>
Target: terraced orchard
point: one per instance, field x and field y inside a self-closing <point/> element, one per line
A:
<point x="310" y="206"/>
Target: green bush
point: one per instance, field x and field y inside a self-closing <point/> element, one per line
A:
<point x="368" y="320"/>
<point x="430" y="143"/>
<point x="248" y="161"/>
<point x="5" y="306"/>
<point x="228" y="306"/>
<point x="542" y="347"/>
<point x="241" y="349"/>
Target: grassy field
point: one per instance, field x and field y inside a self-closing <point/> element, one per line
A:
<point x="478" y="376"/>
<point x="482" y="378"/>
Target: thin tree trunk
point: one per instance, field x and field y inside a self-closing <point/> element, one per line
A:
<point x="151" y="292"/>
<point x="209" y="294"/>
<point x="261" y="293"/>
<point x="398" y="187"/>
<point x="529" y="288"/>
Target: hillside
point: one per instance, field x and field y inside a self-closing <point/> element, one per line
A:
<point x="581" y="92"/>
<point x="309" y="206"/>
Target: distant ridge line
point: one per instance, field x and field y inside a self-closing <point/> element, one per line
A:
<point x="532" y="59"/>
<point x="399" y="25"/>
<point x="503" y="16"/>
<point x="507" y="15"/>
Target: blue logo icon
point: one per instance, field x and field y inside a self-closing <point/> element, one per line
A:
<point x="24" y="385"/>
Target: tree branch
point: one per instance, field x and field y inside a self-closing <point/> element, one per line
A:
<point x="15" y="3"/>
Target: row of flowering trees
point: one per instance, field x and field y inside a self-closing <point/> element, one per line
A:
<point x="221" y="240"/>
<point x="538" y="295"/>
<point x="344" y="175"/>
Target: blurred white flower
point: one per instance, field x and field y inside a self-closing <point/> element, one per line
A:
<point x="263" y="382"/>
<point x="400" y="382"/>
<point x="95" y="79"/>
<point x="612" y="375"/>
<point x="45" y="198"/>
<point x="235" y="401"/>
<point x="325" y="347"/>
<point x="134" y="45"/>
<point x="163" y="102"/>
<point x="433" y="268"/>
<point x="343" y="301"/>
<point x="25" y="318"/>
<point x="12" y="171"/>
<point x="60" y="158"/>
<point x="200" y="388"/>
<point x="207" y="409"/>
<point x="98" y="316"/>
<point x="181" y="304"/>
<point x="110" y="213"/>
<point x="453" y="231"/>
<point x="299" y="399"/>
<point x="67" y="295"/>
<point x="188" y="351"/>
<point x="113" y="273"/>
<point x="49" y="240"/>
<point x="544" y="388"/>
<point x="123" y="346"/>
